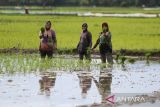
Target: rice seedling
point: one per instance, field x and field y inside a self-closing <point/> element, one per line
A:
<point x="117" y="57"/>
<point x="147" y="55"/>
<point x="131" y="60"/>
<point x="123" y="59"/>
<point x="32" y="63"/>
<point x="21" y="31"/>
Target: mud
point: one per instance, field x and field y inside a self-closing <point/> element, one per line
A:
<point x="155" y="54"/>
<point x="86" y="87"/>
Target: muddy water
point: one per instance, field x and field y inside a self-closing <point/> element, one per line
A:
<point x="88" y="87"/>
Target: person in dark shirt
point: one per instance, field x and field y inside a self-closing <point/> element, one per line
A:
<point x="85" y="43"/>
<point x="48" y="41"/>
<point x="105" y="44"/>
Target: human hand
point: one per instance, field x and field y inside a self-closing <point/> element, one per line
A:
<point x="92" y="49"/>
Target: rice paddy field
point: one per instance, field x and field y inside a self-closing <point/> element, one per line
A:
<point x="21" y="31"/>
<point x="26" y="80"/>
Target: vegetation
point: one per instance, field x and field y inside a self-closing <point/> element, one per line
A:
<point x="81" y="9"/>
<point x="123" y="3"/>
<point x="32" y="62"/>
<point x="21" y="31"/>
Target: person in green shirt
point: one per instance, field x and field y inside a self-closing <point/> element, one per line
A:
<point x="105" y="44"/>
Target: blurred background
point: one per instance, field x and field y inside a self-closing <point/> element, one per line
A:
<point x="123" y="3"/>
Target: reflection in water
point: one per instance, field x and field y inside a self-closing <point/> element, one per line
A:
<point x="124" y="68"/>
<point x="104" y="83"/>
<point x="85" y="81"/>
<point x="70" y="89"/>
<point x="47" y="82"/>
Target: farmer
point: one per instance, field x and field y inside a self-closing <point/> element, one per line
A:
<point x="48" y="41"/>
<point x="105" y="44"/>
<point x="85" y="43"/>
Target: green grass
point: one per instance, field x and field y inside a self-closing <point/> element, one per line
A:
<point x="91" y="9"/>
<point x="130" y="33"/>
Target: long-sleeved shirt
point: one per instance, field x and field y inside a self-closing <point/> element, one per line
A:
<point x="85" y="40"/>
<point x="104" y="38"/>
<point x="49" y="37"/>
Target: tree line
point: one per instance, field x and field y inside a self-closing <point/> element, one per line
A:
<point x="122" y="3"/>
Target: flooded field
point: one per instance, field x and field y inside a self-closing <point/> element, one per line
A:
<point x="28" y="81"/>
